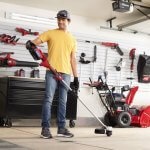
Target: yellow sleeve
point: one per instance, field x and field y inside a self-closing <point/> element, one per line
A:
<point x="74" y="45"/>
<point x="45" y="36"/>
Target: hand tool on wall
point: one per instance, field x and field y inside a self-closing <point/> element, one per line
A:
<point x="94" y="61"/>
<point x="94" y="58"/>
<point x="118" y="66"/>
<point x="26" y="32"/>
<point x="7" y="61"/>
<point x="95" y="54"/>
<point x="82" y="60"/>
<point x="37" y="54"/>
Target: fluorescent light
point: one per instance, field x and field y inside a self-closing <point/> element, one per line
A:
<point x="35" y="19"/>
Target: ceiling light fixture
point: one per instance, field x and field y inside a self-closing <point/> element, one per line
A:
<point x="34" y="19"/>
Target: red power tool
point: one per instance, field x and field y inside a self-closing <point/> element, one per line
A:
<point x="113" y="46"/>
<point x="132" y="57"/>
<point x="107" y="44"/>
<point x="11" y="40"/>
<point x="7" y="61"/>
<point x="26" y="32"/>
<point x="4" y="38"/>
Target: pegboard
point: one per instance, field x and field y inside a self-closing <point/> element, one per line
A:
<point x="107" y="58"/>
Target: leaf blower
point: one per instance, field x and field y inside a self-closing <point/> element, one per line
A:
<point x="7" y="61"/>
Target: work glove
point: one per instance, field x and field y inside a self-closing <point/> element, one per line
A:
<point x="76" y="83"/>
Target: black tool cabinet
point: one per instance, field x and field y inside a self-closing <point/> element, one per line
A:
<point x="22" y="98"/>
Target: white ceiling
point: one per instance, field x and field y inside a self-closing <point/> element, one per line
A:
<point x="90" y="8"/>
<point x="100" y="9"/>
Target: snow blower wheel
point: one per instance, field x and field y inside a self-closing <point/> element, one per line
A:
<point x="123" y="119"/>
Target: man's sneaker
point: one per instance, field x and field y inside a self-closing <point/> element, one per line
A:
<point x="45" y="133"/>
<point x="63" y="132"/>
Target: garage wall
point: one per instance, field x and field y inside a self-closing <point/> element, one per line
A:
<point x="84" y="29"/>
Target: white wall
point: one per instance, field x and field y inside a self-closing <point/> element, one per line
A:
<point x="88" y="28"/>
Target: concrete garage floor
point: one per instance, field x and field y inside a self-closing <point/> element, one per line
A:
<point x="27" y="138"/>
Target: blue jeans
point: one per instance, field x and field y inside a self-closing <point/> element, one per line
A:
<point x="51" y="85"/>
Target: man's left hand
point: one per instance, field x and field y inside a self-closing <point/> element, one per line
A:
<point x="76" y="83"/>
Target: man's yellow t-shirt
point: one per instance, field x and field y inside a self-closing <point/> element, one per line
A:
<point x="60" y="46"/>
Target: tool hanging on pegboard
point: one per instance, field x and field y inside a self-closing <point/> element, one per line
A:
<point x="26" y="32"/>
<point x="11" y="40"/>
<point x="113" y="46"/>
<point x="83" y="61"/>
<point x="8" y="39"/>
<point x="35" y="73"/>
<point x="94" y="61"/>
<point x="119" y="65"/>
<point x="8" y="61"/>
<point x="82" y="57"/>
<point x="132" y="58"/>
<point x="20" y="73"/>
<point x="106" y="44"/>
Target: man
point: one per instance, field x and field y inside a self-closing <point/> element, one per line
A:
<point x="61" y="56"/>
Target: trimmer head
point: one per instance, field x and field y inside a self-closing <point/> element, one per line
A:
<point x="107" y="131"/>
